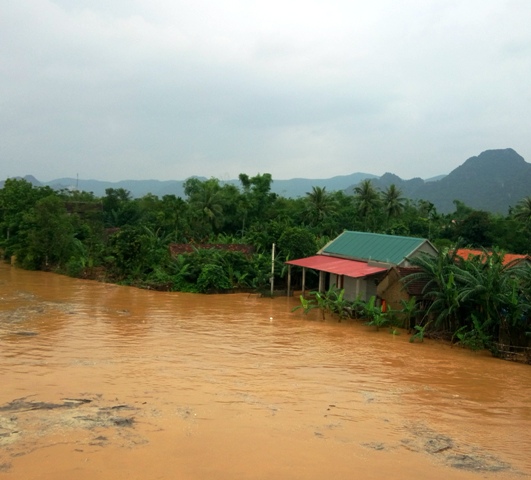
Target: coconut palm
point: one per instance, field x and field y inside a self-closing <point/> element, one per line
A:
<point x="522" y="211"/>
<point x="206" y="206"/>
<point x="393" y="202"/>
<point x="367" y="200"/>
<point x="320" y="205"/>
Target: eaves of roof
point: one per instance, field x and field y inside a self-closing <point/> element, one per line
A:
<point x="338" y="266"/>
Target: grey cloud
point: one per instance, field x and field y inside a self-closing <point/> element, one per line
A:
<point x="169" y="89"/>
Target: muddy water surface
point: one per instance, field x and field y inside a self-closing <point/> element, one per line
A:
<point x="109" y="382"/>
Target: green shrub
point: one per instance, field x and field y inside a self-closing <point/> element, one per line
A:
<point x="213" y="277"/>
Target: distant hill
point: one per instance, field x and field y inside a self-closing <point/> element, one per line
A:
<point x="296" y="187"/>
<point x="138" y="188"/>
<point x="493" y="181"/>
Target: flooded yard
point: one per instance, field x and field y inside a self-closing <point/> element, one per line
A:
<point x="110" y="382"/>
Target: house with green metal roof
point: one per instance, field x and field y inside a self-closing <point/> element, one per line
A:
<point x="357" y="261"/>
<point x="392" y="250"/>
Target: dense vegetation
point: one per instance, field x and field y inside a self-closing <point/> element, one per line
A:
<point x="121" y="239"/>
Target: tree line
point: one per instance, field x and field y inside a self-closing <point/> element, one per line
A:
<point x="127" y="238"/>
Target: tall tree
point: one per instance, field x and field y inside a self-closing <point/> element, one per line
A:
<point x="49" y="234"/>
<point x="119" y="209"/>
<point x="206" y="202"/>
<point x="522" y="211"/>
<point x="368" y="202"/>
<point x="257" y="197"/>
<point x="393" y="202"/>
<point x="17" y="198"/>
<point x="320" y="206"/>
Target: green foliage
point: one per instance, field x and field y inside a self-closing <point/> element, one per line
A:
<point x="482" y="287"/>
<point x="256" y="198"/>
<point x="119" y="209"/>
<point x="331" y="301"/>
<point x="473" y="338"/>
<point x="297" y="242"/>
<point x="47" y="235"/>
<point x="320" y="210"/>
<point x="394" y="330"/>
<point x="475" y="229"/>
<point x="374" y="314"/>
<point x="419" y="333"/>
<point x="213" y="278"/>
<point x="440" y="289"/>
<point x="393" y="202"/>
<point x="408" y="311"/>
<point x="306" y="304"/>
<point x="368" y="203"/>
<point x="522" y="212"/>
<point x="18" y="198"/>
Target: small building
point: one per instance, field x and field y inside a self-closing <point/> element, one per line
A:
<point x="358" y="261"/>
<point x="395" y="288"/>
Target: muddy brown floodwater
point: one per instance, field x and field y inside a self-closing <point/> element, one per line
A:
<point x="105" y="382"/>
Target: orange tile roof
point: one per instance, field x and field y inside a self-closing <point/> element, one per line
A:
<point x="508" y="257"/>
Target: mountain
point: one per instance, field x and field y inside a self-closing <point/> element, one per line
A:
<point x="138" y="188"/>
<point x="29" y="178"/>
<point x="409" y="188"/>
<point x="297" y="187"/>
<point x="493" y="181"/>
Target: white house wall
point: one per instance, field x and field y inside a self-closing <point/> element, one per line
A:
<point x="426" y="247"/>
<point x="364" y="288"/>
<point x="352" y="288"/>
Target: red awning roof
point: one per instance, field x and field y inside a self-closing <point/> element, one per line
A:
<point x="339" y="266"/>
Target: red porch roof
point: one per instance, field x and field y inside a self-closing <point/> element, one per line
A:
<point x="339" y="266"/>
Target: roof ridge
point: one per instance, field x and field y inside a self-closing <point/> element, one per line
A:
<point x="380" y="235"/>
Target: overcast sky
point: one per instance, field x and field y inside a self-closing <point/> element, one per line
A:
<point x="166" y="89"/>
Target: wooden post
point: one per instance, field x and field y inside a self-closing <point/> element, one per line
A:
<point x="272" y="269"/>
<point x="289" y="280"/>
<point x="303" y="280"/>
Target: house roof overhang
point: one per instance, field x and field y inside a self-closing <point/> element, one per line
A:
<point x="338" y="266"/>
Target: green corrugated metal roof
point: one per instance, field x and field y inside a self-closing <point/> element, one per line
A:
<point x="373" y="246"/>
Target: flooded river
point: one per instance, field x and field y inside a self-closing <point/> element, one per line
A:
<point x="106" y="382"/>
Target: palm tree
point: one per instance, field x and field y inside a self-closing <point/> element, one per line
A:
<point x="206" y="201"/>
<point x="440" y="287"/>
<point x="320" y="205"/>
<point x="367" y="200"/>
<point x="393" y="202"/>
<point x="522" y="211"/>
